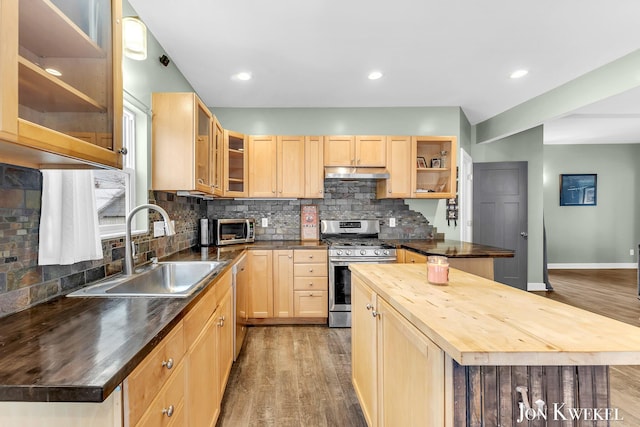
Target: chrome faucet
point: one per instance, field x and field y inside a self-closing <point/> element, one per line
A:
<point x="128" y="252"/>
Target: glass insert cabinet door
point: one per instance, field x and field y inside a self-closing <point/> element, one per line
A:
<point x="69" y="74"/>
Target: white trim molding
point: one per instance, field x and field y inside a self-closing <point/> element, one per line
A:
<point x="536" y="287"/>
<point x="592" y="266"/>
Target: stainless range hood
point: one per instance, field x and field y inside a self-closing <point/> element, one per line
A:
<point x="353" y="173"/>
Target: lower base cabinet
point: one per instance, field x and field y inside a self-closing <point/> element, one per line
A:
<point x="285" y="285"/>
<point x="398" y="373"/>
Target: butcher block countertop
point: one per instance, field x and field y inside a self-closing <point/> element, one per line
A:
<point x="481" y="322"/>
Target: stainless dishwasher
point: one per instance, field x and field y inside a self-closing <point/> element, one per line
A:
<point x="240" y="288"/>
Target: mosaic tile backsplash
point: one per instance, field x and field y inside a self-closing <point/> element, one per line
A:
<point x="23" y="283"/>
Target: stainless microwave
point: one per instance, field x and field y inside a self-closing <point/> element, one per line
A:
<point x="226" y="231"/>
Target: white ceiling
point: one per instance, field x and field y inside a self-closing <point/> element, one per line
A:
<point x="317" y="53"/>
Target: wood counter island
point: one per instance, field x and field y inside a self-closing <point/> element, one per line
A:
<point x="479" y="353"/>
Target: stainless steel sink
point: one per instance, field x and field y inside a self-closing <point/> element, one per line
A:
<point x="162" y="279"/>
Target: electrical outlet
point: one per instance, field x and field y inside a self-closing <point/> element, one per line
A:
<point x="265" y="222"/>
<point x="392" y="222"/>
<point x="631" y="252"/>
<point x="158" y="228"/>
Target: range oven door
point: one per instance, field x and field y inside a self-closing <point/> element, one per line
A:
<point x="340" y="281"/>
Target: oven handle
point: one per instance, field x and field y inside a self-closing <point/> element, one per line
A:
<point x="361" y="259"/>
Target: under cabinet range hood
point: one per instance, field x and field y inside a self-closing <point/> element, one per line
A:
<point x="353" y="173"/>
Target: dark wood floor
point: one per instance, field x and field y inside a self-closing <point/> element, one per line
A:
<point x="301" y="375"/>
<point x="611" y="293"/>
<point x="292" y="376"/>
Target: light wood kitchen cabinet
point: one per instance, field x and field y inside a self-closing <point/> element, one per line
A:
<point x="235" y="162"/>
<point x="276" y="166"/>
<point x="217" y="165"/>
<point x="183" y="144"/>
<point x="313" y="167"/>
<point x="262" y="166"/>
<point x="310" y="276"/>
<point x="398" y="373"/>
<point x="283" y="283"/>
<point x="411" y="257"/>
<point x="436" y="177"/>
<point x="71" y="115"/>
<point x="287" y="284"/>
<point x="224" y="316"/>
<point x="144" y="388"/>
<point x="398" y="185"/>
<point x="260" y="296"/>
<point x="360" y="150"/>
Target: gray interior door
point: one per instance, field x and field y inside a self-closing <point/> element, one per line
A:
<point x="500" y="216"/>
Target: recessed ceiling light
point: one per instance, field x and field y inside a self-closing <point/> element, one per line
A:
<point x="53" y="72"/>
<point x="244" y="76"/>
<point x="375" y="75"/>
<point x="519" y="73"/>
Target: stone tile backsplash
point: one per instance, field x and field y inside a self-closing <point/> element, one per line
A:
<point x="23" y="283"/>
<point x="342" y="200"/>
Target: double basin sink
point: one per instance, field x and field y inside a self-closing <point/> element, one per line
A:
<point x="161" y="279"/>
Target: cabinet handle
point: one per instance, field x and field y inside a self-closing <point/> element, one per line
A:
<point x="369" y="306"/>
<point x="200" y="181"/>
<point x="168" y="363"/>
<point x="375" y="313"/>
<point x="168" y="411"/>
<point x="221" y="323"/>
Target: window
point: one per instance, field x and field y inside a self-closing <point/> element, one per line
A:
<point x="117" y="192"/>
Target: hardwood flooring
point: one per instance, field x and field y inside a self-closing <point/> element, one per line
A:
<point x="611" y="293"/>
<point x="301" y="375"/>
<point x="292" y="376"/>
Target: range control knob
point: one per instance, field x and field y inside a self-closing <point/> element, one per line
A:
<point x="347" y="252"/>
<point x="363" y="252"/>
<point x="339" y="252"/>
<point x="386" y="252"/>
<point x="377" y="252"/>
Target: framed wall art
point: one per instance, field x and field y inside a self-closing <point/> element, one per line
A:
<point x="578" y="189"/>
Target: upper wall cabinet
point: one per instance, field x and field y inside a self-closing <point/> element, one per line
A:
<point x="434" y="167"/>
<point x="235" y="162"/>
<point x="60" y="83"/>
<point x="184" y="142"/>
<point x="349" y="150"/>
<point x="398" y="185"/>
<point x="314" y="167"/>
<point x="276" y="166"/>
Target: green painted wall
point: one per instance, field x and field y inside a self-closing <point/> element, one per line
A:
<point x="593" y="234"/>
<point x="525" y="146"/>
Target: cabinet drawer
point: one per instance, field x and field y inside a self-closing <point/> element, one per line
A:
<point x="414" y="258"/>
<point x="311" y="303"/>
<point x="170" y="400"/>
<point x="197" y="318"/>
<point x="143" y="384"/>
<point x="310" y="284"/>
<point x="310" y="256"/>
<point x="310" y="270"/>
<point x="223" y="285"/>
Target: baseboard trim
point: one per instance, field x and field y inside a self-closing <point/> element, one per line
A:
<point x="533" y="287"/>
<point x="591" y="266"/>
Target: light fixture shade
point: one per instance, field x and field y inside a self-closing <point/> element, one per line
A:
<point x="134" y="34"/>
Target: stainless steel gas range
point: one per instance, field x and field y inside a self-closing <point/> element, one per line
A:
<point x="349" y="242"/>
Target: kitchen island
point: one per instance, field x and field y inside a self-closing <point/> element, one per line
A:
<point x="476" y="352"/>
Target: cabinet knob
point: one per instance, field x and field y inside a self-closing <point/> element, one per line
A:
<point x="168" y="363"/>
<point x="200" y="181"/>
<point x="375" y="313"/>
<point x="310" y="256"/>
<point x="221" y="323"/>
<point x="123" y="151"/>
<point x="310" y="283"/>
<point x="168" y="411"/>
<point x="311" y="270"/>
<point x="310" y="295"/>
<point x="369" y="306"/>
